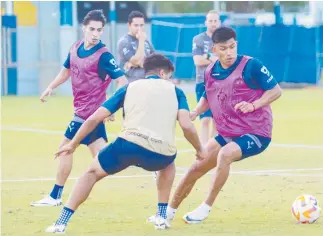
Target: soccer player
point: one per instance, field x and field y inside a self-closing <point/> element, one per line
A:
<point x="147" y="139"/>
<point x="134" y="47"/>
<point x="91" y="67"/>
<point x="238" y="90"/>
<point x="203" y="56"/>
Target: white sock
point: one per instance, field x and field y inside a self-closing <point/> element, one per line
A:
<point x="205" y="207"/>
<point x="170" y="212"/>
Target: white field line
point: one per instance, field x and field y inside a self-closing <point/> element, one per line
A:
<point x="265" y="171"/>
<point x="241" y="172"/>
<point x="32" y="130"/>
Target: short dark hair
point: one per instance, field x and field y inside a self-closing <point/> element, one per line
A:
<point x="135" y="14"/>
<point x="156" y="61"/>
<point x="94" y="15"/>
<point x="223" y="34"/>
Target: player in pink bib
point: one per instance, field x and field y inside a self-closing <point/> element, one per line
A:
<point x="92" y="68"/>
<point x="238" y="91"/>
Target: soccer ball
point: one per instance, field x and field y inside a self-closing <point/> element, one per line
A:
<point x="306" y="209"/>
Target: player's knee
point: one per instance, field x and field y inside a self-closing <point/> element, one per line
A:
<point x="225" y="156"/>
<point x="96" y="170"/>
<point x="196" y="171"/>
<point x="90" y="171"/>
<point x="93" y="173"/>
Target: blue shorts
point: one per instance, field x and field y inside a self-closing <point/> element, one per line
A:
<point x="121" y="154"/>
<point x="199" y="90"/>
<point x="98" y="132"/>
<point x="250" y="144"/>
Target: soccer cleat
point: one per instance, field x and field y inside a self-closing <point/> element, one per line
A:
<point x="151" y="219"/>
<point x="161" y="223"/>
<point x="195" y="217"/>
<point x="47" y="201"/>
<point x="56" y="229"/>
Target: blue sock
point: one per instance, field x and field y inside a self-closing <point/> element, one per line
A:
<point x="57" y="192"/>
<point x="162" y="207"/>
<point x="66" y="214"/>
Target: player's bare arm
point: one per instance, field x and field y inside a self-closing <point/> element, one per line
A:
<point x="190" y="132"/>
<point x="201" y="107"/>
<point x="62" y="77"/>
<point x="138" y="58"/>
<point x="121" y="81"/>
<point x="199" y="57"/>
<point x="202" y="60"/>
<point x="267" y="98"/>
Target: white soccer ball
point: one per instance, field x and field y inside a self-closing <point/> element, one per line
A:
<point x="306" y="209"/>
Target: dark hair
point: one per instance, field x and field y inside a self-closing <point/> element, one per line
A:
<point x="135" y="14"/>
<point x="156" y="61"/>
<point x="223" y="34"/>
<point x="94" y="15"/>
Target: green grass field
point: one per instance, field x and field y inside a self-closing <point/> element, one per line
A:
<point x="253" y="202"/>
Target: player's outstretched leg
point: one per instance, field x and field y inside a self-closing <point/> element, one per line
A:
<point x="196" y="171"/>
<point x="64" y="170"/>
<point x="79" y="194"/>
<point x="227" y="154"/>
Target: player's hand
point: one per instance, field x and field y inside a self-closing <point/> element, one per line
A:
<point x="245" y="107"/>
<point x="127" y="66"/>
<point x="141" y="35"/>
<point x="201" y="155"/>
<point x="66" y="150"/>
<point x="47" y="92"/>
<point x="193" y="115"/>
